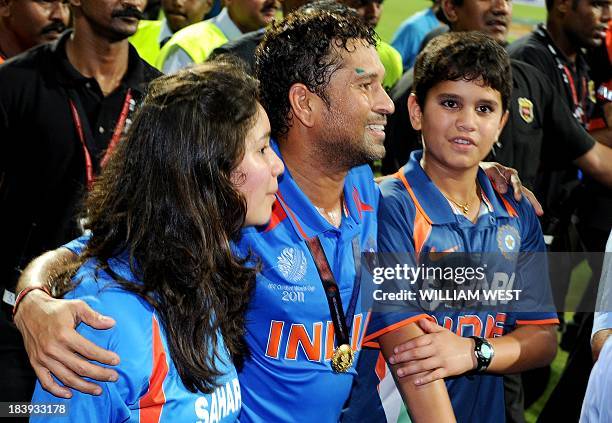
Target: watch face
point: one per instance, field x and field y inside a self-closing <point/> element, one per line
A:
<point x="486" y="350"/>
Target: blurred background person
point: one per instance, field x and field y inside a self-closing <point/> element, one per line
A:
<point x="63" y="107"/>
<point x="194" y="43"/>
<point x="371" y="12"/>
<point x="177" y="14"/>
<point x="28" y="23"/>
<point x="410" y="34"/>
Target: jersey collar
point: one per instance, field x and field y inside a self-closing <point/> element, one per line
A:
<point x="304" y="217"/>
<point x="435" y="206"/>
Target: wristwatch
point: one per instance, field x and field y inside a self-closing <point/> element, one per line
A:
<point x="484" y="352"/>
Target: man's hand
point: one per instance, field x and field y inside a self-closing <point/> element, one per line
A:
<point x="54" y="346"/>
<point x="502" y="176"/>
<point x="440" y="353"/>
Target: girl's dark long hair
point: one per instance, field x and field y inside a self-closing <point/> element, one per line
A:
<point x="166" y="199"/>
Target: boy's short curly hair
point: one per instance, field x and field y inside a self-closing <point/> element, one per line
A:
<point x="305" y="48"/>
<point x="465" y="56"/>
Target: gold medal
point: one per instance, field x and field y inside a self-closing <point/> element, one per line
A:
<point x="342" y="360"/>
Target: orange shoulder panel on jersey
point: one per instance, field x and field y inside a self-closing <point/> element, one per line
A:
<point x="511" y="210"/>
<point x="422" y="222"/>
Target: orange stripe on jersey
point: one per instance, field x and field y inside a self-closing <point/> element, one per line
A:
<point x="538" y="322"/>
<point x="470" y="320"/>
<point x="489" y="327"/>
<point x="329" y="340"/>
<point x="397" y="325"/>
<point x="422" y="222"/>
<point x="511" y="211"/>
<point x="298" y="335"/>
<point x="274" y="338"/>
<point x="448" y="323"/>
<point x="356" y="331"/>
<point x="292" y="215"/>
<point x="152" y="403"/>
<point x="381" y="367"/>
<point x="278" y="215"/>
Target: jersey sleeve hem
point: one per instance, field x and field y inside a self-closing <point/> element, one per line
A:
<point x="370" y="340"/>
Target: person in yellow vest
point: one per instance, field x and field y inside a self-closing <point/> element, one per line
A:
<point x="195" y="43"/>
<point x="152" y="35"/>
<point x="371" y="11"/>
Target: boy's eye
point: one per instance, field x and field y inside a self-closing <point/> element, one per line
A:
<point x="484" y="108"/>
<point x="263" y="149"/>
<point x="451" y="104"/>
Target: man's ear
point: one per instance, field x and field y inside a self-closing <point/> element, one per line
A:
<point x="450" y="10"/>
<point x="415" y="112"/>
<point x="302" y="100"/>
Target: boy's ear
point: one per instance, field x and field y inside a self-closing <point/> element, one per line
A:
<point x="415" y="112"/>
<point x="502" y="122"/>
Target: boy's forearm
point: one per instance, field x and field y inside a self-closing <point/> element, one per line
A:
<point x="527" y="347"/>
<point x="425" y="403"/>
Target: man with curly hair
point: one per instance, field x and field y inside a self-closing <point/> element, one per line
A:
<point x="321" y="81"/>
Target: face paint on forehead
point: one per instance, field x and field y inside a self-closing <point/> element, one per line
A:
<point x="359" y="71"/>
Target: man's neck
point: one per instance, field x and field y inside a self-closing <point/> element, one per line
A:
<point x="322" y="184"/>
<point x="9" y="44"/>
<point x="561" y="40"/>
<point x="97" y="57"/>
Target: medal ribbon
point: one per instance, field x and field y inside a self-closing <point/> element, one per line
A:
<point x="119" y="127"/>
<point x="332" y="292"/>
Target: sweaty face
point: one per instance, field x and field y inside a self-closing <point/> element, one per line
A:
<point x="256" y="175"/>
<point x="492" y="17"/>
<point x="588" y="22"/>
<point x="352" y="126"/>
<point x="36" y="21"/>
<point x="114" y="19"/>
<point x="181" y="13"/>
<point x="459" y="123"/>
<point x="251" y="15"/>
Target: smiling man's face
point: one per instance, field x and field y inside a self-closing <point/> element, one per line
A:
<point x="492" y="17"/>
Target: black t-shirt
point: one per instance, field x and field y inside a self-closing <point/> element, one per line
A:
<point x="574" y="85"/>
<point x="571" y="79"/>
<point x="42" y="165"/>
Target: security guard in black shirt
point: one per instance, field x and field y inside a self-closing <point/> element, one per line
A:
<point x="63" y="106"/>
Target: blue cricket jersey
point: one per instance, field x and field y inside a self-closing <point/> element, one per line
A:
<point x="289" y="327"/>
<point x="415" y="218"/>
<point x="149" y="388"/>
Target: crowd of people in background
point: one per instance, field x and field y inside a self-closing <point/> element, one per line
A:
<point x="209" y="166"/>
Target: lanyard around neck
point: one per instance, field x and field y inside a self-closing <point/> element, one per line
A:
<point x="119" y="127"/>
